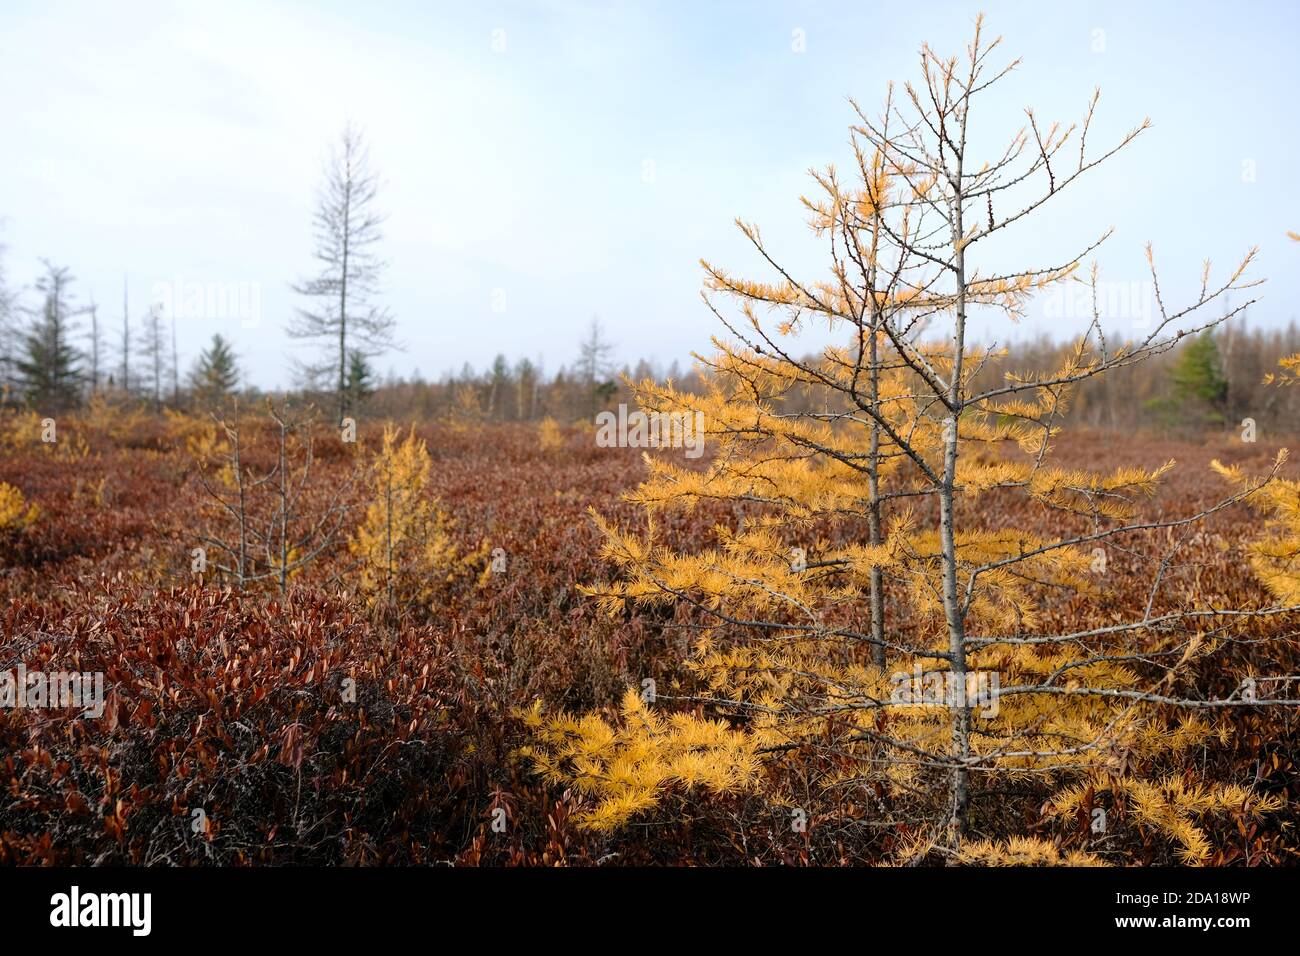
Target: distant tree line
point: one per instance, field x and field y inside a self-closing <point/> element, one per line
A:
<point x="522" y="390"/>
<point x="55" y="355"/>
<point x="57" y="352"/>
<point x="1212" y="381"/>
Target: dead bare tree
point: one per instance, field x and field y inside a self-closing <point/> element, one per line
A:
<point x="154" y="347"/>
<point x="8" y="333"/>
<point x="126" y="341"/>
<point x="347" y="230"/>
<point x="271" y="525"/>
<point x="95" y="341"/>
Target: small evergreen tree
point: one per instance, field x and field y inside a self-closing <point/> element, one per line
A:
<point x="48" y="370"/>
<point x="1200" y="389"/>
<point x="360" y="383"/>
<point x="216" y="372"/>
<point x="499" y="391"/>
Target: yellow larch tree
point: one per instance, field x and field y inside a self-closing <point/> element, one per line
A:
<point x="16" y="514"/>
<point x="550" y="436"/>
<point x="870" y="638"/>
<point x="405" y="542"/>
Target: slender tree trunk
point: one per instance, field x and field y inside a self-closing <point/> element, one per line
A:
<point x="343" y="299"/>
<point x="176" y="380"/>
<point x="94" y="349"/>
<point x="126" y="341"/>
<point x="284" y="514"/>
<point x="877" y="590"/>
<point x="960" y="711"/>
<point x="873" y="509"/>
<point x="388" y="507"/>
<point x="241" y="569"/>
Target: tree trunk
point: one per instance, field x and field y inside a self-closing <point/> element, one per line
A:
<point x="343" y="298"/>
<point x="959" y="711"/>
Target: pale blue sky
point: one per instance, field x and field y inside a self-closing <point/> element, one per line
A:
<point x="165" y="140"/>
